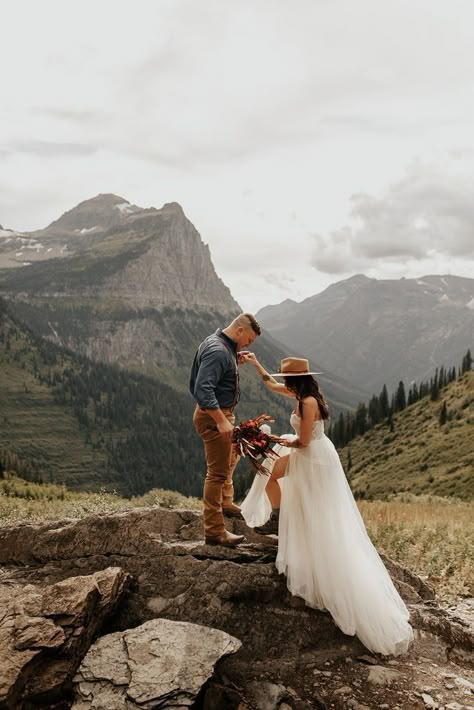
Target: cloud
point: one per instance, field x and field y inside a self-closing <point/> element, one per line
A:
<point x="48" y="149"/>
<point x="281" y="281"/>
<point x="66" y="114"/>
<point x="429" y="213"/>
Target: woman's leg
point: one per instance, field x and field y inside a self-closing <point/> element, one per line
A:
<point x="273" y="489"/>
<point x="273" y="492"/>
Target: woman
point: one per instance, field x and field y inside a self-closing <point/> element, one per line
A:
<point x="323" y="547"/>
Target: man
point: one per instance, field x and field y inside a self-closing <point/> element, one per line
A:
<point x="214" y="385"/>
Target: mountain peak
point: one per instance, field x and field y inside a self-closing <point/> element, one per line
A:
<point x="101" y="211"/>
<point x="172" y="206"/>
<point x="357" y="278"/>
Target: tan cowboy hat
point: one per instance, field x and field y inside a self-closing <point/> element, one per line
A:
<point x="294" y="367"/>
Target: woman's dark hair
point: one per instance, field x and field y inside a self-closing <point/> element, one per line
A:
<point x="307" y="386"/>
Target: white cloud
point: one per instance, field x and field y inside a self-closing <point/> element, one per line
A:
<point x="261" y="118"/>
<point x="426" y="216"/>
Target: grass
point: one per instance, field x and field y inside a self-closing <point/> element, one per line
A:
<point x="433" y="537"/>
<point x="23" y="501"/>
<point x="420" y="456"/>
<point x="39" y="430"/>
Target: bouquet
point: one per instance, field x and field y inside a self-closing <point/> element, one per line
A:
<point x="249" y="440"/>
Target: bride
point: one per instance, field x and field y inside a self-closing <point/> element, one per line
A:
<point x="323" y="547"/>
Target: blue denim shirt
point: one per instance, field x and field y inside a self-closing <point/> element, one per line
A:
<point x="214" y="379"/>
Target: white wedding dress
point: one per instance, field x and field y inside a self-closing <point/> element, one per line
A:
<point x="324" y="549"/>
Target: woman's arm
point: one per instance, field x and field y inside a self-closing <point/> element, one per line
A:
<point x="267" y="379"/>
<point x="309" y="414"/>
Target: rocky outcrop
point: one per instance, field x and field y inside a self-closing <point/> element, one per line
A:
<point x="46" y="629"/>
<point x="238" y="591"/>
<point x="158" y="664"/>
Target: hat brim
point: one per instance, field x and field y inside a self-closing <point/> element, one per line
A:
<point x="293" y="374"/>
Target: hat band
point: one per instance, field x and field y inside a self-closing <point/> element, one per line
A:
<point x="294" y="372"/>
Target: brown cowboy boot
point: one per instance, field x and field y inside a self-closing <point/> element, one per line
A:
<point x="227" y="539"/>
<point x="231" y="510"/>
<point x="214" y="530"/>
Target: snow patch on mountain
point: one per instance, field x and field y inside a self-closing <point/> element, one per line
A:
<point x="125" y="207"/>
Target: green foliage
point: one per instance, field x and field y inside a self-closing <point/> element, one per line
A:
<point x="123" y="429"/>
<point x="421" y="455"/>
<point x="69" y="419"/>
<point x="22" y="501"/>
<point x="378" y="409"/>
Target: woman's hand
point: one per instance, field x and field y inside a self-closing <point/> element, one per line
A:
<point x="246" y="356"/>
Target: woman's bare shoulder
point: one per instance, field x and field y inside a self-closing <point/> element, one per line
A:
<point x="310" y="400"/>
<point x="310" y="404"/>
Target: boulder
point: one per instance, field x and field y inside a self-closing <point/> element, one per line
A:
<point x="45" y="630"/>
<point x="161" y="663"/>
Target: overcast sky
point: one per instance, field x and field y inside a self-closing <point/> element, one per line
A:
<point x="306" y="140"/>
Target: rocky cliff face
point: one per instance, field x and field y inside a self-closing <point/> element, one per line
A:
<point x="144" y="258"/>
<point x="121" y="284"/>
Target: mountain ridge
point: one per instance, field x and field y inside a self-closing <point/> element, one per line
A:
<point x="141" y="293"/>
<point x="376" y="332"/>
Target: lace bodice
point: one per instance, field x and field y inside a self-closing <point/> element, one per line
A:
<point x="318" y="426"/>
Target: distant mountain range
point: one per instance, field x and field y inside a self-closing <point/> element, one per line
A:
<point x="101" y="317"/>
<point x="372" y="332"/>
<point x="130" y="286"/>
<point x="134" y="289"/>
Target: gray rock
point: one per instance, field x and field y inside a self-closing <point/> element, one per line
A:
<point x="46" y="630"/>
<point x="429" y="702"/>
<point x="464" y="683"/>
<point x="366" y="658"/>
<point x="343" y="690"/>
<point x="161" y="663"/>
<point x="267" y="696"/>
<point x="378" y="675"/>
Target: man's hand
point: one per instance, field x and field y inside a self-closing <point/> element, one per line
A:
<point x="225" y="429"/>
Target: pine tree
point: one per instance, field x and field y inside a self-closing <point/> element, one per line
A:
<point x="361" y="419"/>
<point x="466" y="362"/>
<point x="383" y="399"/>
<point x="400" y="398"/>
<point x="443" y="415"/>
<point x="390" y="421"/>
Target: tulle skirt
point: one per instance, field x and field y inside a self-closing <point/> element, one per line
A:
<point x="325" y="552"/>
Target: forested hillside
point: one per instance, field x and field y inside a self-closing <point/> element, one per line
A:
<point x="425" y="447"/>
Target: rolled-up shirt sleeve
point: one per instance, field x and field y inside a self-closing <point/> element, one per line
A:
<point x="211" y="368"/>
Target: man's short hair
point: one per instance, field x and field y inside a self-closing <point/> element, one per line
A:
<point x="246" y="320"/>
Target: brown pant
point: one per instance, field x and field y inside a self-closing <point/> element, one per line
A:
<point x="221" y="460"/>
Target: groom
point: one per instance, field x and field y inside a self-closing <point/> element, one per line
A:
<point x="214" y="385"/>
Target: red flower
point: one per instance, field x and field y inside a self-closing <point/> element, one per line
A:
<point x="249" y="440"/>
